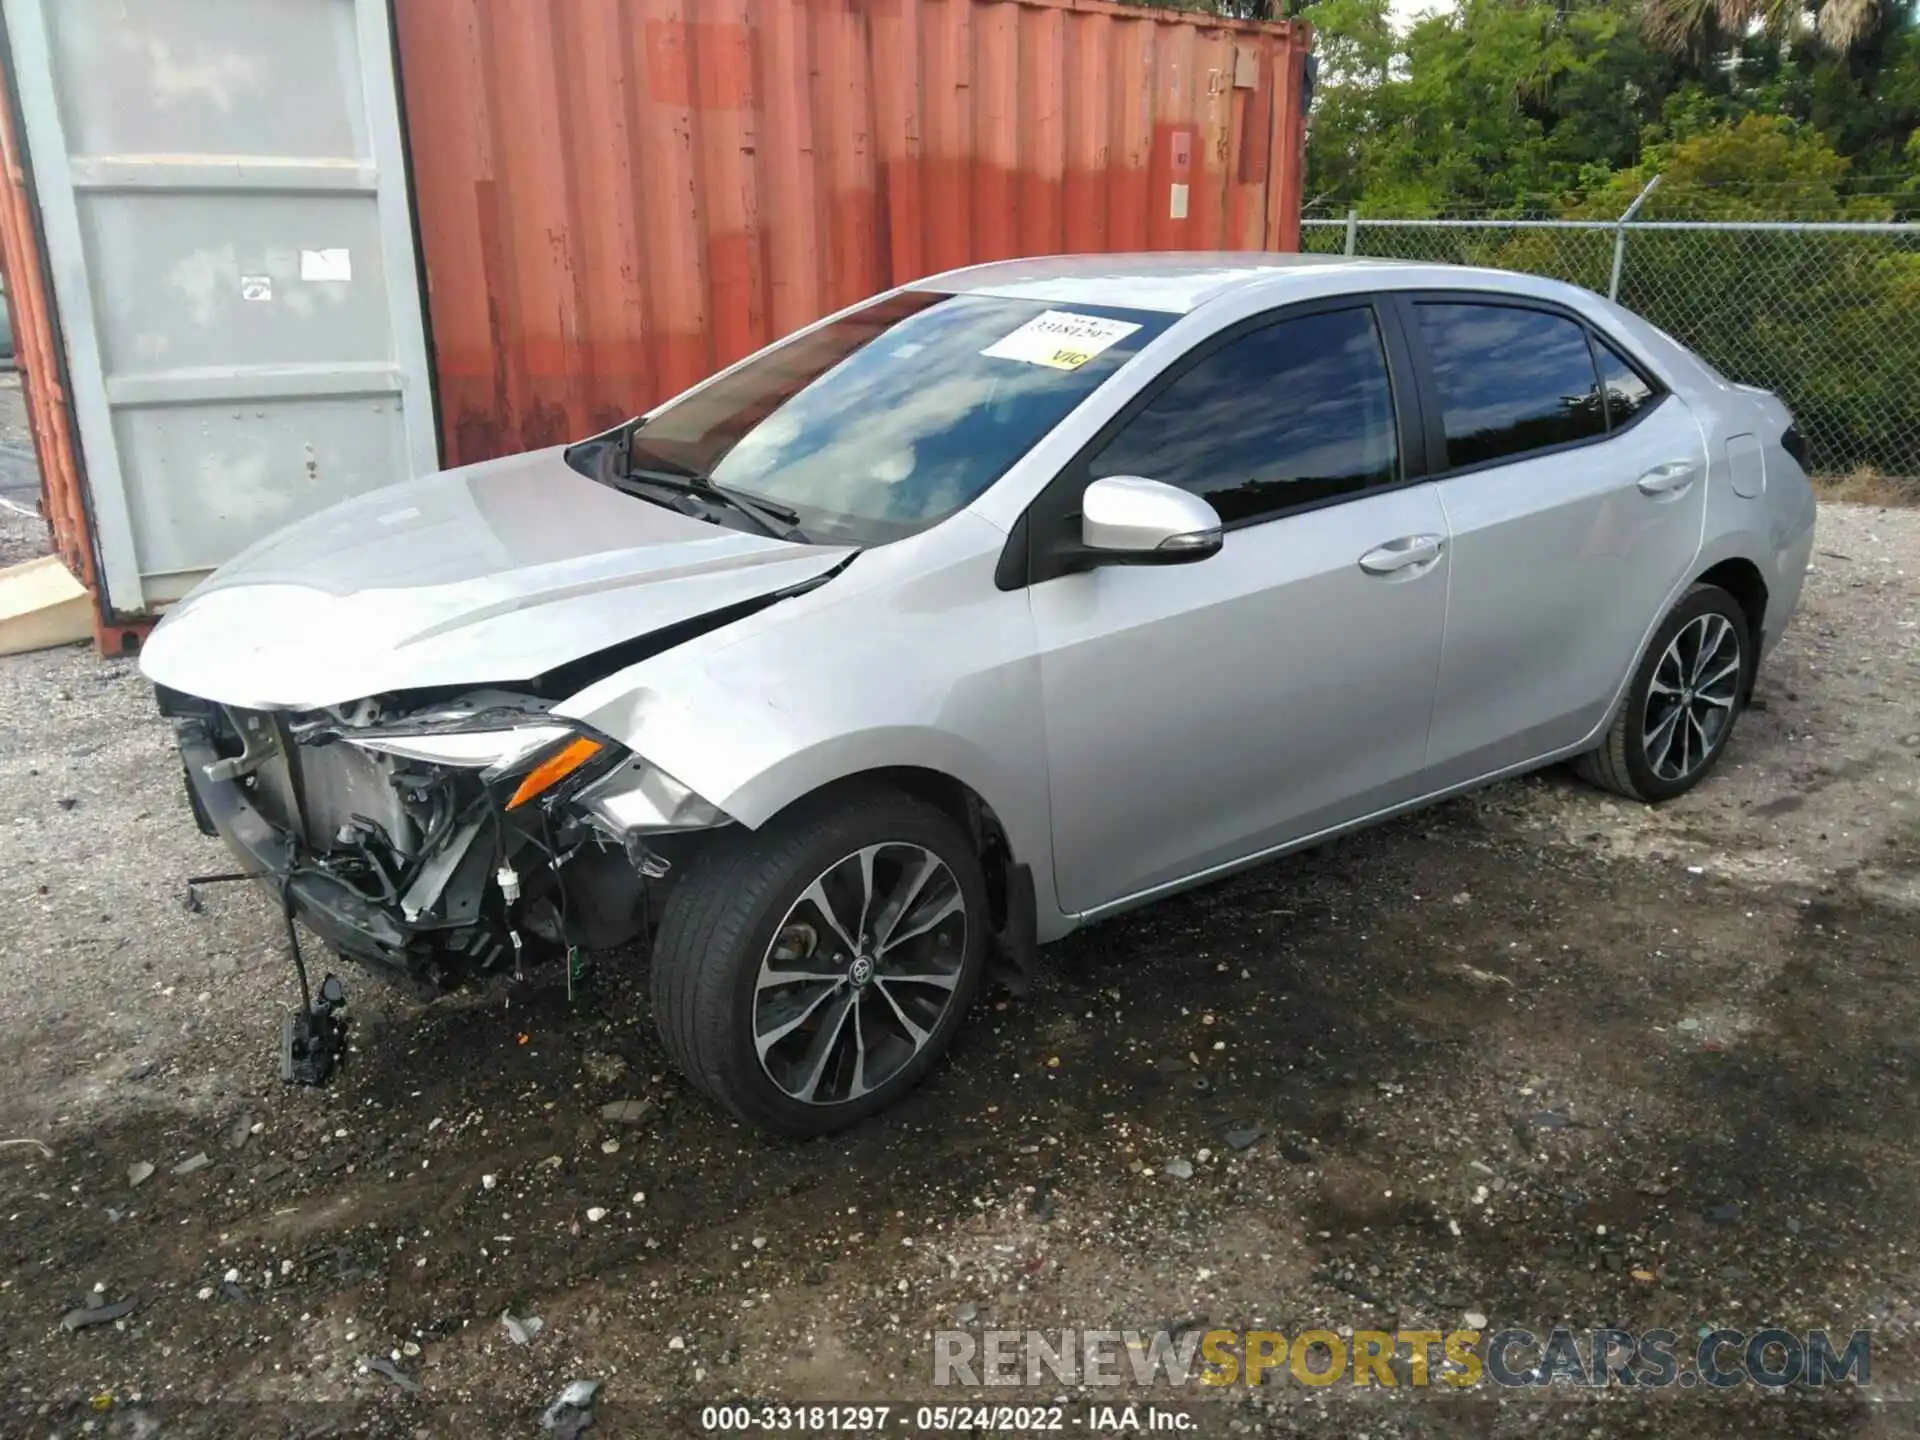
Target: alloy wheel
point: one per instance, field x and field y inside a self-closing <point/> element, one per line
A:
<point x="860" y="973"/>
<point x="1690" y="700"/>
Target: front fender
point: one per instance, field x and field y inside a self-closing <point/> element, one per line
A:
<point x="911" y="658"/>
<point x="764" y="794"/>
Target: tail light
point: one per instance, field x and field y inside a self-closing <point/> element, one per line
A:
<point x="1795" y="444"/>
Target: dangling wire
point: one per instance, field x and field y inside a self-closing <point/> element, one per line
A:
<point x="560" y="885"/>
<point x="293" y="939"/>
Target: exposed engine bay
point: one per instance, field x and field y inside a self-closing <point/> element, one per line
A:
<point x="443" y="836"/>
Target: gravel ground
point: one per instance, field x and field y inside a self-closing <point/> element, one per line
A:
<point x="23" y="535"/>
<point x="1533" y="1057"/>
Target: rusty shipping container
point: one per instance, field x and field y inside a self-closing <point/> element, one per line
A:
<point x="617" y="197"/>
<point x="36" y="343"/>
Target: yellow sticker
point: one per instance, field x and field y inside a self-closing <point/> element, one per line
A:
<point x="1060" y="339"/>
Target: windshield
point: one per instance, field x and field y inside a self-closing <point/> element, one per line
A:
<point x="890" y="419"/>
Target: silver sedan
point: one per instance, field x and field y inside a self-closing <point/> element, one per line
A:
<point x="1001" y="603"/>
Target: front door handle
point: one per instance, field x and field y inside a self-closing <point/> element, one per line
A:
<point x="1670" y="478"/>
<point x="1406" y="553"/>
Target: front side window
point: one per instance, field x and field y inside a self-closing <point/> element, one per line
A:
<point x="1293" y="413"/>
<point x="890" y="419"/>
<point x="1511" y="381"/>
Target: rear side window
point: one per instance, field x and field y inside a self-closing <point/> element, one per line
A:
<point x="1628" y="392"/>
<point x="1511" y="381"/>
<point x="1293" y="413"/>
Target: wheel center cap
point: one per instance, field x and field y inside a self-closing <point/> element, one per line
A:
<point x="861" y="970"/>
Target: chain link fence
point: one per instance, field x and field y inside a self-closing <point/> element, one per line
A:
<point x="1826" y="315"/>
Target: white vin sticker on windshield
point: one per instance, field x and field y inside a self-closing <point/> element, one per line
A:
<point x="1060" y="339"/>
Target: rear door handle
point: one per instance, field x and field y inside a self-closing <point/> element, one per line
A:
<point x="1670" y="478"/>
<point x="1406" y="553"/>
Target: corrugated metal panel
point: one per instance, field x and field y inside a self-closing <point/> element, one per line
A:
<point x="617" y="197"/>
<point x="36" y="344"/>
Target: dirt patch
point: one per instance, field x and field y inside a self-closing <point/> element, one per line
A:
<point x="1535" y="1056"/>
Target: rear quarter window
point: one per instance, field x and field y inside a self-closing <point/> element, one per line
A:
<point x="1627" y="391"/>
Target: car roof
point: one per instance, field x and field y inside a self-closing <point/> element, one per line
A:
<point x="1181" y="281"/>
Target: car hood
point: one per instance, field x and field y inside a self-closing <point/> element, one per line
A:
<point x="492" y="573"/>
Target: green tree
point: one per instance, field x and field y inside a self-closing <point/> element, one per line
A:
<point x="1493" y="106"/>
<point x="1515" y="105"/>
<point x="1745" y="170"/>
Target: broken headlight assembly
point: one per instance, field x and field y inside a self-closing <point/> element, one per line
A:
<point x="461" y="749"/>
<point x="541" y="754"/>
<point x="548" y="783"/>
<point x="620" y="794"/>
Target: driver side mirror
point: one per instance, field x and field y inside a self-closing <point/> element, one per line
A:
<point x="1130" y="520"/>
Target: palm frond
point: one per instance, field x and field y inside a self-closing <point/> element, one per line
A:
<point x="1844" y="24"/>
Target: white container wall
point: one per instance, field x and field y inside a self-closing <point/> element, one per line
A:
<point x="222" y="191"/>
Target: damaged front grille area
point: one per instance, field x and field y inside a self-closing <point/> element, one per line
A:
<point x="403" y="850"/>
<point x="404" y="838"/>
<point x="440" y="834"/>
<point x="327" y="793"/>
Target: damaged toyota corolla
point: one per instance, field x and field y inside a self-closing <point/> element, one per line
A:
<point x="1008" y="600"/>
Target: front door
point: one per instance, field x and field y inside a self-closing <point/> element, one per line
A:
<point x="1199" y="714"/>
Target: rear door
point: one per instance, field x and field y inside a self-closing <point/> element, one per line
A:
<point x="1575" y="491"/>
<point x="1202" y="713"/>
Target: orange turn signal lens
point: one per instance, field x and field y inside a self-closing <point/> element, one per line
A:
<point x="555" y="768"/>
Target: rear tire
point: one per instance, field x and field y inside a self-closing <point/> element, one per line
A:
<point x="866" y="911"/>
<point x="1679" y="712"/>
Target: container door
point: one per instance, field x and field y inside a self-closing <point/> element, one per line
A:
<point x="223" y="190"/>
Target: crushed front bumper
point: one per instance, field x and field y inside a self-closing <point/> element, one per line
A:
<point x="336" y="912"/>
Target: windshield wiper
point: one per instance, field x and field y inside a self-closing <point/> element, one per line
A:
<point x="775" y="520"/>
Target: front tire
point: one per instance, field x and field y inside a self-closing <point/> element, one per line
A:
<point x="1680" y="710"/>
<point x="810" y="973"/>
